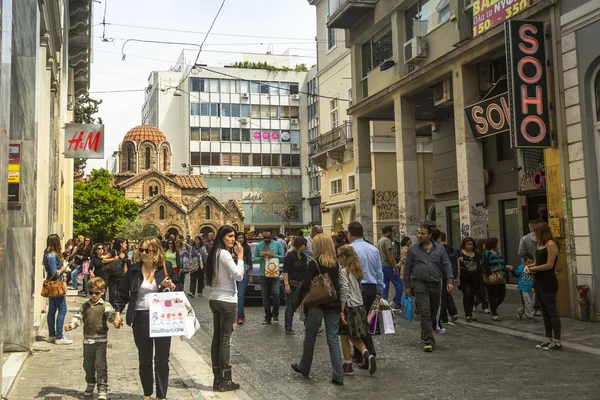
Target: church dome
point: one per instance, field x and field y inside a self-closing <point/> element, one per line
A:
<point x="145" y="132"/>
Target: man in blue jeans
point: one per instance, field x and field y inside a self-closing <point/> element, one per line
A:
<point x="264" y="250"/>
<point x="391" y="273"/>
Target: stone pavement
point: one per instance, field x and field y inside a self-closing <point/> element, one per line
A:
<point x="58" y="370"/>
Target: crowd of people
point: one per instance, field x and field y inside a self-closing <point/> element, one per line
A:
<point x="350" y="275"/>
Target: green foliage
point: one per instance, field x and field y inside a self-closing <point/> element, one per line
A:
<point x="84" y="109"/>
<point x="266" y="66"/>
<point x="136" y="230"/>
<point x="100" y="209"/>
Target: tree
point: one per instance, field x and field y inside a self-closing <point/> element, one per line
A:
<point x="100" y="209"/>
<point x="282" y="202"/>
<point x="136" y="229"/>
<point x="84" y="110"/>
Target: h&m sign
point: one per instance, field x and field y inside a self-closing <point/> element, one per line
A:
<point x="84" y="141"/>
<point x="527" y="83"/>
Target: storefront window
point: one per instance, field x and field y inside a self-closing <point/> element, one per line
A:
<point x="425" y="16"/>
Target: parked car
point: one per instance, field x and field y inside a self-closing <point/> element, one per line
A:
<point x="254" y="290"/>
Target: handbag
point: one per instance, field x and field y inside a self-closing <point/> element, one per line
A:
<point x="321" y="290"/>
<point x="195" y="265"/>
<point x="496" y="277"/>
<point x="53" y="288"/>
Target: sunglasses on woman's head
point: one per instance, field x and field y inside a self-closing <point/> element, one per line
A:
<point x="145" y="251"/>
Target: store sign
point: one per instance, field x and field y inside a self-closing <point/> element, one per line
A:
<point x="267" y="136"/>
<point x="490" y="13"/>
<point x="489" y="117"/>
<point x="84" y="141"/>
<point x="14" y="172"/>
<point x="527" y="84"/>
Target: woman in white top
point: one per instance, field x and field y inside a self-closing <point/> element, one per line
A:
<point x="222" y="272"/>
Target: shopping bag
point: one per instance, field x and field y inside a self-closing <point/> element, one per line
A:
<point x="372" y="318"/>
<point x="386" y="322"/>
<point x="407" y="307"/>
<point x="272" y="267"/>
<point x="169" y="312"/>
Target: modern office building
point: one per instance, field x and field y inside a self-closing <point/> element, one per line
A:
<point x="241" y="130"/>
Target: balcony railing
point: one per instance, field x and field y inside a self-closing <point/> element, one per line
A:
<point x="332" y="144"/>
<point x="344" y="14"/>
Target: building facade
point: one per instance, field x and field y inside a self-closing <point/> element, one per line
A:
<point x="420" y="65"/>
<point x="176" y="204"/>
<point x="242" y="131"/>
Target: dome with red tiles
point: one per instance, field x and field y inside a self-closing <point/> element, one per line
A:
<point x="145" y="132"/>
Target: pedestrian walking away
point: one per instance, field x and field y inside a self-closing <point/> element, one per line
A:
<point x="546" y="285"/>
<point x="493" y="262"/>
<point x="200" y="255"/>
<point x="469" y="275"/>
<point x="372" y="282"/>
<point x="152" y="275"/>
<point x="264" y="250"/>
<point x="391" y="273"/>
<point x="53" y="264"/>
<point x="294" y="269"/>
<point x="248" y="277"/>
<point x="353" y="318"/>
<point x="95" y="314"/>
<point x="222" y="273"/>
<point x="317" y="229"/>
<point x="426" y="268"/>
<point x="324" y="263"/>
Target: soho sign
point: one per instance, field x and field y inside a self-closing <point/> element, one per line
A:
<point x="489" y="117"/>
<point x="527" y="83"/>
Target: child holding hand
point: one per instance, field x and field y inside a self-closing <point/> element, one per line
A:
<point x="525" y="287"/>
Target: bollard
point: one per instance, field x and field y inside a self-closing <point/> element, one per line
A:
<point x="584" y="302"/>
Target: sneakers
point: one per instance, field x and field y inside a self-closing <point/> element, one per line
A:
<point x="266" y="321"/>
<point x="496" y="318"/>
<point x="371" y="362"/>
<point x="487" y="311"/>
<point x="537" y="313"/>
<point x="544" y="344"/>
<point x="469" y="319"/>
<point x="51" y="339"/>
<point x="89" y="390"/>
<point x="63" y="341"/>
<point x="191" y="295"/>
<point x="240" y="321"/>
<point x="441" y="330"/>
<point x="520" y="314"/>
<point x="290" y="332"/>
<point x="455" y="318"/>
<point x="102" y="396"/>
<point x="474" y="308"/>
<point x="428" y="348"/>
<point x="553" y="346"/>
<point x="348" y="370"/>
<point x="275" y="319"/>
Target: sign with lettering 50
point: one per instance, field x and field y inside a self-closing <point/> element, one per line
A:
<point x="490" y="13"/>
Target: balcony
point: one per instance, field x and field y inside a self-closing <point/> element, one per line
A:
<point x="344" y="14"/>
<point x="332" y="145"/>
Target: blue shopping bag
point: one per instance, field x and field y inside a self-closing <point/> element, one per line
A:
<point x="407" y="307"/>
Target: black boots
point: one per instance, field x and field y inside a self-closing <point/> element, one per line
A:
<point x="226" y="383"/>
<point x="217" y="378"/>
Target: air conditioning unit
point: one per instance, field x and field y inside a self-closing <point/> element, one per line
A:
<point x="295" y="97"/>
<point x="245" y="96"/>
<point x="415" y="50"/>
<point x="294" y="121"/>
<point x="243" y="120"/>
<point x="442" y="93"/>
<point x="295" y="146"/>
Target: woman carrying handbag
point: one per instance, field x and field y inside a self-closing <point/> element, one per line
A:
<point x="494" y="276"/>
<point x="323" y="270"/>
<point x="53" y="261"/>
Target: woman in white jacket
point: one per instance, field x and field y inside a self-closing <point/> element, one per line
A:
<point x="222" y="272"/>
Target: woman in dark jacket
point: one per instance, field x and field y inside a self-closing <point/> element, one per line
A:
<point x="198" y="251"/>
<point x="294" y="268"/>
<point x="119" y="255"/>
<point x="140" y="282"/>
<point x="248" y="272"/>
<point x="325" y="261"/>
<point x="83" y="254"/>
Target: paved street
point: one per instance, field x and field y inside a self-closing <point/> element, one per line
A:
<point x="469" y="363"/>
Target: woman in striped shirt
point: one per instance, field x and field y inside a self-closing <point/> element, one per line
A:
<point x="493" y="260"/>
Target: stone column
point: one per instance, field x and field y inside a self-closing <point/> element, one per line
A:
<point x="16" y="297"/>
<point x="469" y="158"/>
<point x="363" y="179"/>
<point x="406" y="166"/>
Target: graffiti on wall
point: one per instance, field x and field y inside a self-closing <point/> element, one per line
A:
<point x="387" y="204"/>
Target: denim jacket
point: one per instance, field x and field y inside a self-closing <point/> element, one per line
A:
<point x="52" y="264"/>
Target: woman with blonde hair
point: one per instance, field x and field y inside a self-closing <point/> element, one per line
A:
<point x="324" y="263"/>
<point x="153" y="274"/>
<point x="353" y="315"/>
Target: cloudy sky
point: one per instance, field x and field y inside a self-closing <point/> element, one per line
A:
<point x="262" y="25"/>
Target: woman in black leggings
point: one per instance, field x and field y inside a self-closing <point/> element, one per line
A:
<point x="468" y="276"/>
<point x="546" y="285"/>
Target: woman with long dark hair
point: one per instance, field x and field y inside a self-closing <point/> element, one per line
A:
<point x="469" y="275"/>
<point x="492" y="261"/>
<point x="198" y="252"/>
<point x="82" y="255"/>
<point x="173" y="256"/>
<point x="222" y="272"/>
<point x="96" y="266"/>
<point x="152" y="275"/>
<point x="248" y="272"/>
<point x="546" y="285"/>
<point x="481" y="294"/>
<point x="53" y="263"/>
<point x="118" y="255"/>
<point x="294" y="268"/>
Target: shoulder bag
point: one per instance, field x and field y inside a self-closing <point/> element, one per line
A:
<point x="52" y="288"/>
<point x="321" y="290"/>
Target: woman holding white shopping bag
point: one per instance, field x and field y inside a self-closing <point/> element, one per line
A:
<point x="222" y="273"/>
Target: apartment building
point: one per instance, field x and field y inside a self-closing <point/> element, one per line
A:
<point x="444" y="64"/>
<point x="241" y="130"/>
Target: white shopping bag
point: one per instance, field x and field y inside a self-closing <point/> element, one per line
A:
<point x="272" y="267"/>
<point x="386" y="322"/>
<point x="171" y="314"/>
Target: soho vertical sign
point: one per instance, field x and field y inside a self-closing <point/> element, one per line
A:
<point x="527" y="83"/>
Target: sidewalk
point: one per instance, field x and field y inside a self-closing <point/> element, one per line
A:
<point x="57" y="370"/>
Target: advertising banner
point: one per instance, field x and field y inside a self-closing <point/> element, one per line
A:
<point x="14" y="171"/>
<point x="490" y="13"/>
<point x="489" y="117"/>
<point x="527" y="83"/>
<point x="167" y="314"/>
<point x="84" y="141"/>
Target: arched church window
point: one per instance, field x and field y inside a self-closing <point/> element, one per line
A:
<point x="207" y="212"/>
<point x="147" y="157"/>
<point x="162" y="212"/>
<point x="129" y="159"/>
<point x="165" y="160"/>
